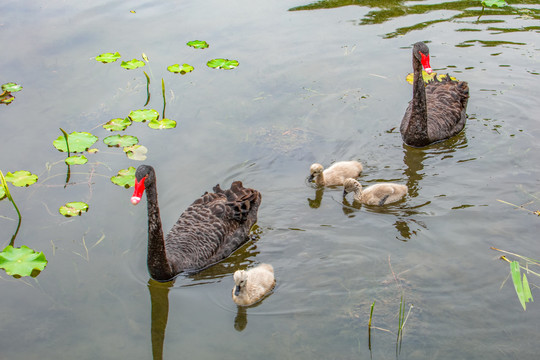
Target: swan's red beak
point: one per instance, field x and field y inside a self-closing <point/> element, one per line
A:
<point x="425" y="63"/>
<point x="139" y="189"/>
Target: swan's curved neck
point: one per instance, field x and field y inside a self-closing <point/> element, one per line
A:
<point x="158" y="265"/>
<point x="419" y="120"/>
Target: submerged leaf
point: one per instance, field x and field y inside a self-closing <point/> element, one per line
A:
<point x="75" y="208"/>
<point x="78" y="141"/>
<point x="21" y="178"/>
<point x="143" y="115"/>
<point x="125" y="178"/>
<point x="184" y="69"/>
<point x="121" y="140"/>
<point x="198" y="44"/>
<point x="118" y="124"/>
<point x="21" y="261"/>
<point x="225" y="64"/>
<point x="136" y="152"/>
<point x="108" y="57"/>
<point x="76" y="160"/>
<point x="132" y="64"/>
<point x="162" y="124"/>
<point x="11" y="87"/>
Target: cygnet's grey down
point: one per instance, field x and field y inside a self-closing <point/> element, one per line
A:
<point x="250" y="286"/>
<point x="335" y="174"/>
<point x="377" y="194"/>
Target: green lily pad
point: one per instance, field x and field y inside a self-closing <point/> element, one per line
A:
<point x="11" y="87"/>
<point x="108" y="57"/>
<point x="491" y="3"/>
<point x="143" y="115"/>
<point x="136" y="152"/>
<point x="225" y="64"/>
<point x="76" y="160"/>
<point x="132" y="64"/>
<point x="78" y="142"/>
<point x="118" y="124"/>
<point x="21" y="261"/>
<point x="428" y="77"/>
<point x="125" y="178"/>
<point x="75" y="208"/>
<point x="162" y="124"/>
<point x="198" y="44"/>
<point x="184" y="69"/>
<point x="121" y="140"/>
<point x="6" y="98"/>
<point x="21" y="178"/>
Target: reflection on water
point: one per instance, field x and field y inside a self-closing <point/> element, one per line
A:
<point x="159" y="297"/>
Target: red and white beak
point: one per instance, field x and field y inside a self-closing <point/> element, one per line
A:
<point x="139" y="190"/>
<point x="425" y="63"/>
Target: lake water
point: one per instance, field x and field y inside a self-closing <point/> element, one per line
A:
<point x="317" y="82"/>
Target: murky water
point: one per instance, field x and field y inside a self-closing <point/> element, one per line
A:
<point x="313" y="85"/>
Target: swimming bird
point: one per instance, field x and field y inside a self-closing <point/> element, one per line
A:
<point x="335" y="174"/>
<point x="377" y="194"/>
<point x="250" y="286"/>
<point x="437" y="111"/>
<point x="208" y="231"/>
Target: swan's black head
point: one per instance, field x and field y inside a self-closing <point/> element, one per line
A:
<point x="421" y="53"/>
<point x="144" y="177"/>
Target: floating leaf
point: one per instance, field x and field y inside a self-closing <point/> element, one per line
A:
<point x="21" y="261"/>
<point x="118" y="124"/>
<point x="132" y="64"/>
<point x="125" y="178"/>
<point x="184" y="69"/>
<point x="75" y="208"/>
<point x="121" y="140"/>
<point x="523" y="290"/>
<point x="491" y="3"/>
<point x="92" y="151"/>
<point x="225" y="64"/>
<point x="76" y="160"/>
<point x="198" y="44"/>
<point x="2" y="192"/>
<point x="136" y="152"/>
<point x="108" y="57"/>
<point x="11" y="87"/>
<point x="21" y="178"/>
<point x="428" y="77"/>
<point x="145" y="58"/>
<point x="78" y="141"/>
<point x="6" y="98"/>
<point x="162" y="124"/>
<point x="143" y="115"/>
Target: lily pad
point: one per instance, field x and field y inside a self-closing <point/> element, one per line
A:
<point x="121" y="140"/>
<point x="108" y="57"/>
<point x="78" y="142"/>
<point x="132" y="64"/>
<point x="162" y="124"/>
<point x="76" y="160"/>
<point x="21" y="261"/>
<point x="428" y="77"/>
<point x="198" y="44"/>
<point x="6" y="98"/>
<point x="75" y="208"/>
<point x="118" y="124"/>
<point x="136" y="152"/>
<point x="491" y="3"/>
<point x="184" y="69"/>
<point x="143" y="115"/>
<point x="125" y="178"/>
<point x="225" y="64"/>
<point x="21" y="178"/>
<point x="11" y="87"/>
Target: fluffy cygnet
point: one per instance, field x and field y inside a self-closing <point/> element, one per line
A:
<point x="377" y="194"/>
<point x="335" y="174"/>
<point x="251" y="285"/>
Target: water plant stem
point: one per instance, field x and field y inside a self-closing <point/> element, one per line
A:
<point x="164" y="101"/>
<point x="68" y="175"/>
<point x="147" y="88"/>
<point x="369" y="325"/>
<point x="8" y="194"/>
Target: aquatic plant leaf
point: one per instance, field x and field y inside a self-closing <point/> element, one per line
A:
<point x="75" y="208"/>
<point x="21" y="261"/>
<point x="428" y="77"/>
<point x="118" y="124"/>
<point x="143" y="115"/>
<point x="121" y="140"/>
<point x="136" y="152"/>
<point x="184" y="69"/>
<point x="198" y="44"/>
<point x="145" y="58"/>
<point x="6" y="98"/>
<point x="21" y="178"/>
<point x="518" y="284"/>
<point x="11" y="87"/>
<point x="108" y="57"/>
<point x="491" y="3"/>
<point x="78" y="141"/>
<point x="132" y="64"/>
<point x="125" y="178"/>
<point x="162" y="124"/>
<point x="225" y="64"/>
<point x="2" y="192"/>
<point x="76" y="160"/>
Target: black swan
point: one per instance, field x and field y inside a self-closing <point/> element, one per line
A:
<point x="436" y="111"/>
<point x="207" y="232"/>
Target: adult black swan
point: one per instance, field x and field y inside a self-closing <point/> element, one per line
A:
<point x="436" y="111"/>
<point x="207" y="232"/>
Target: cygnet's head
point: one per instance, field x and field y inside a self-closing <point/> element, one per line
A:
<point x="351" y="185"/>
<point x="240" y="279"/>
<point x="315" y="170"/>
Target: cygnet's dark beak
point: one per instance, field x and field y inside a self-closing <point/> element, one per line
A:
<point x="311" y="177"/>
<point x="344" y="193"/>
<point x="237" y="290"/>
